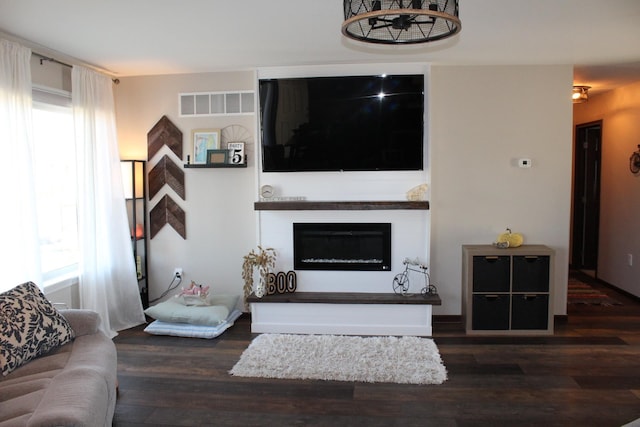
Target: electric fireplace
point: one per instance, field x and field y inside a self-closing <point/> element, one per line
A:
<point x="342" y="246"/>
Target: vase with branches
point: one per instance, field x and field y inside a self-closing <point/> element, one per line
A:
<point x="265" y="260"/>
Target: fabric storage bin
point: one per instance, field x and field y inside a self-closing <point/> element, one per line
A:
<point x="490" y="312"/>
<point x="530" y="311"/>
<point x="491" y="273"/>
<point x="530" y="274"/>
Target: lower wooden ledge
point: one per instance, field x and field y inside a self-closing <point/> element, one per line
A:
<point x="348" y="298"/>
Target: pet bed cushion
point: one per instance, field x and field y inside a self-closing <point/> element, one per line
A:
<point x="158" y="327"/>
<point x="173" y="311"/>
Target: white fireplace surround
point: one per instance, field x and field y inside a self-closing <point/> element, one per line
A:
<point x="409" y="239"/>
<point x="410" y="234"/>
<point x="341" y="319"/>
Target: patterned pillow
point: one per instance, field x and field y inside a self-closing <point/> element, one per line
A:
<point x="30" y="326"/>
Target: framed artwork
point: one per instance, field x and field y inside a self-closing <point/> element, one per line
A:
<point x="236" y="153"/>
<point x="203" y="141"/>
<point x="217" y="157"/>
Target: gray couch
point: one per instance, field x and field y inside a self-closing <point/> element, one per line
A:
<point x="74" y="385"/>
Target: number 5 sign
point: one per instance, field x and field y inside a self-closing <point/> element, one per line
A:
<point x="236" y="153"/>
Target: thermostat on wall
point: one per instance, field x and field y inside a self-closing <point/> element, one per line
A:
<point x="524" y="163"/>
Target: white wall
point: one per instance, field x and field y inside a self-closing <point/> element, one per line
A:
<point x="483" y="118"/>
<point x="220" y="222"/>
<point x="619" y="234"/>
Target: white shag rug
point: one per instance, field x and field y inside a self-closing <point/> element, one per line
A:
<point x="404" y="360"/>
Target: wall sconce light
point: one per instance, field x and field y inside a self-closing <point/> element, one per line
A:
<point x="580" y="94"/>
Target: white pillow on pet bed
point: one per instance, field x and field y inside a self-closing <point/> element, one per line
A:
<point x="191" y="331"/>
<point x="173" y="311"/>
<point x="228" y="301"/>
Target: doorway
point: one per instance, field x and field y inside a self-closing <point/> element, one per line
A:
<point x="586" y="197"/>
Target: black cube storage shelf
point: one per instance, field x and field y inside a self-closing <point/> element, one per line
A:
<point x="507" y="291"/>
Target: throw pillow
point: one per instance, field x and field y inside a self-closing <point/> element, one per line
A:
<point x="30" y="326"/>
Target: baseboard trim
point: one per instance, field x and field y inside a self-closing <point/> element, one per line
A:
<point x="560" y="318"/>
<point x="447" y="318"/>
<point x="451" y="318"/>
<point x="598" y="280"/>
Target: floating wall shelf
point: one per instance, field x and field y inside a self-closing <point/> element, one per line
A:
<point x="213" y="165"/>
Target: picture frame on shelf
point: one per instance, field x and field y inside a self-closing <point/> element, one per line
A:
<point x="236" y="153"/>
<point x="217" y="157"/>
<point x="203" y="141"/>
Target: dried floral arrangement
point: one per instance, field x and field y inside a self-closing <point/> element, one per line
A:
<point x="265" y="260"/>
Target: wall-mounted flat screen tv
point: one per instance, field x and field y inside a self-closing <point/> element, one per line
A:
<point x="349" y="123"/>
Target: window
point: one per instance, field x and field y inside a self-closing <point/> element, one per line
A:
<point x="55" y="181"/>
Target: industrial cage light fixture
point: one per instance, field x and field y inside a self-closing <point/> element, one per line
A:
<point x="580" y="94"/>
<point x="400" y="22"/>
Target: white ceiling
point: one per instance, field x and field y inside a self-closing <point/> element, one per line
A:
<point x="142" y="37"/>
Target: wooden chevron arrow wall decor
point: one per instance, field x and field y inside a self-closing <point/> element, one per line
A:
<point x="166" y="211"/>
<point x="166" y="172"/>
<point x="164" y="133"/>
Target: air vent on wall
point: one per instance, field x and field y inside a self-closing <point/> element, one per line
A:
<point x="216" y="103"/>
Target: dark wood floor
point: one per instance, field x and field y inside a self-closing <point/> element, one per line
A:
<point x="586" y="374"/>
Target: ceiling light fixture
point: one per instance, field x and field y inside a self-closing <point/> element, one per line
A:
<point x="580" y="94"/>
<point x="400" y="22"/>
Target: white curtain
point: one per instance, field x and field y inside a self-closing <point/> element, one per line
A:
<point x="20" y="253"/>
<point x="108" y="281"/>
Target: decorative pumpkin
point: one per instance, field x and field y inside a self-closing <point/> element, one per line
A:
<point x="417" y="193"/>
<point x="509" y="239"/>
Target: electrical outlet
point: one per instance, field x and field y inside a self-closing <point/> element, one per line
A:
<point x="630" y="259"/>
<point x="177" y="272"/>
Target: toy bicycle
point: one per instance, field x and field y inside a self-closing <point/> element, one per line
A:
<point x="401" y="281"/>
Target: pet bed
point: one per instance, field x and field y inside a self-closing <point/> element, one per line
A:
<point x="159" y="327"/>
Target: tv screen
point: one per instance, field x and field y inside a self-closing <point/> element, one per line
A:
<point x="354" y="123"/>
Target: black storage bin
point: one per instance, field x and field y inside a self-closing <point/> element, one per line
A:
<point x="490" y="312"/>
<point x="530" y="274"/>
<point x="530" y="311"/>
<point x="491" y="273"/>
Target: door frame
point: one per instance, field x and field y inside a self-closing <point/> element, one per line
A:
<point x="586" y="175"/>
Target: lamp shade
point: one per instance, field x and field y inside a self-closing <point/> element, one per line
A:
<point x="133" y="178"/>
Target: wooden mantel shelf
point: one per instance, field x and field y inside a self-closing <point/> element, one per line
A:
<point x="304" y="205"/>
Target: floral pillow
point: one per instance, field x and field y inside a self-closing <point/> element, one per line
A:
<point x="30" y="326"/>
